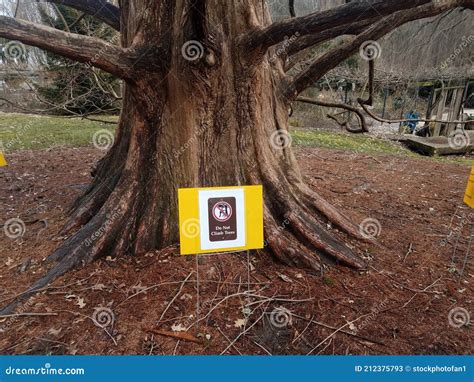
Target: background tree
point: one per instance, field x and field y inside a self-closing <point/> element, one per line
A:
<point x="73" y="87"/>
<point x="205" y="103"/>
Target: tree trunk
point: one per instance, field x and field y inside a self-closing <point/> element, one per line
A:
<point x="211" y="116"/>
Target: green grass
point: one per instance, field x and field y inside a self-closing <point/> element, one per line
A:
<point x="346" y="141"/>
<point x="20" y="131"/>
<point x="361" y="144"/>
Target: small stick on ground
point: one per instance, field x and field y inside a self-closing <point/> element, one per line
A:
<point x="340" y="330"/>
<point x="184" y="336"/>
<point x="410" y="250"/>
<point x="28" y="314"/>
<point x="175" y="296"/>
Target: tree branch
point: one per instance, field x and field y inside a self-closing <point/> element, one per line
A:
<point x="308" y="41"/>
<point x="291" y="6"/>
<point x="334" y="57"/>
<point x="360" y="115"/>
<point x="261" y="39"/>
<point x="91" y="50"/>
<point x="100" y="9"/>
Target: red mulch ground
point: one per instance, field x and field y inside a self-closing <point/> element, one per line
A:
<point x="400" y="305"/>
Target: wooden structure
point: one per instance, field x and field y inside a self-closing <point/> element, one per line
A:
<point x="448" y="103"/>
<point x="445" y="108"/>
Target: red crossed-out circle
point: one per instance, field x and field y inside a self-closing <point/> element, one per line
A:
<point x="220" y="212"/>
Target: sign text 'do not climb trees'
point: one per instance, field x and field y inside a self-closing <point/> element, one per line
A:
<point x="220" y="219"/>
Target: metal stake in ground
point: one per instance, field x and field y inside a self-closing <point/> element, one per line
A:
<point x="197" y="290"/>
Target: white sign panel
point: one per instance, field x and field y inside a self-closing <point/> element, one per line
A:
<point x="222" y="218"/>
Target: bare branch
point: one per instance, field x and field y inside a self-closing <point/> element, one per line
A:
<point x="261" y="39"/>
<point x="370" y="99"/>
<point x="291" y="6"/>
<point x="334" y="57"/>
<point x="308" y="41"/>
<point x="91" y="50"/>
<point x="360" y="115"/>
<point x="100" y="9"/>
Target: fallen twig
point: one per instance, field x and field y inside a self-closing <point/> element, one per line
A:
<point x="175" y="296"/>
<point x="340" y="330"/>
<point x="28" y="314"/>
<point x="408" y="252"/>
<point x="184" y="336"/>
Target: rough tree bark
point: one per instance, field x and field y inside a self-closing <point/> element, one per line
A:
<point x="205" y="104"/>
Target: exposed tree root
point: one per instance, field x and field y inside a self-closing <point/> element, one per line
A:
<point x="295" y="237"/>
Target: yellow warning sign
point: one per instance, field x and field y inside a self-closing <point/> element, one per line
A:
<point x="469" y="195"/>
<point x="220" y="219"/>
<point x="3" y="161"/>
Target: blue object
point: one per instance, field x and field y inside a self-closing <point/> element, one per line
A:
<point x="413" y="117"/>
<point x="236" y="368"/>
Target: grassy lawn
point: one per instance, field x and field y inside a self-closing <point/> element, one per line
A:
<point x="20" y="131"/>
<point x="346" y="141"/>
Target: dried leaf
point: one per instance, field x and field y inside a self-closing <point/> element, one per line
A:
<point x="80" y="302"/>
<point x="178" y="328"/>
<point x="285" y="278"/>
<point x="54" y="332"/>
<point x="240" y="323"/>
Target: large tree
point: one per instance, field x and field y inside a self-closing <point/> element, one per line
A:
<point x="205" y="103"/>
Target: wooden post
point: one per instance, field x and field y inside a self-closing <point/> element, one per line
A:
<point x="440" y="111"/>
<point x="457" y="103"/>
